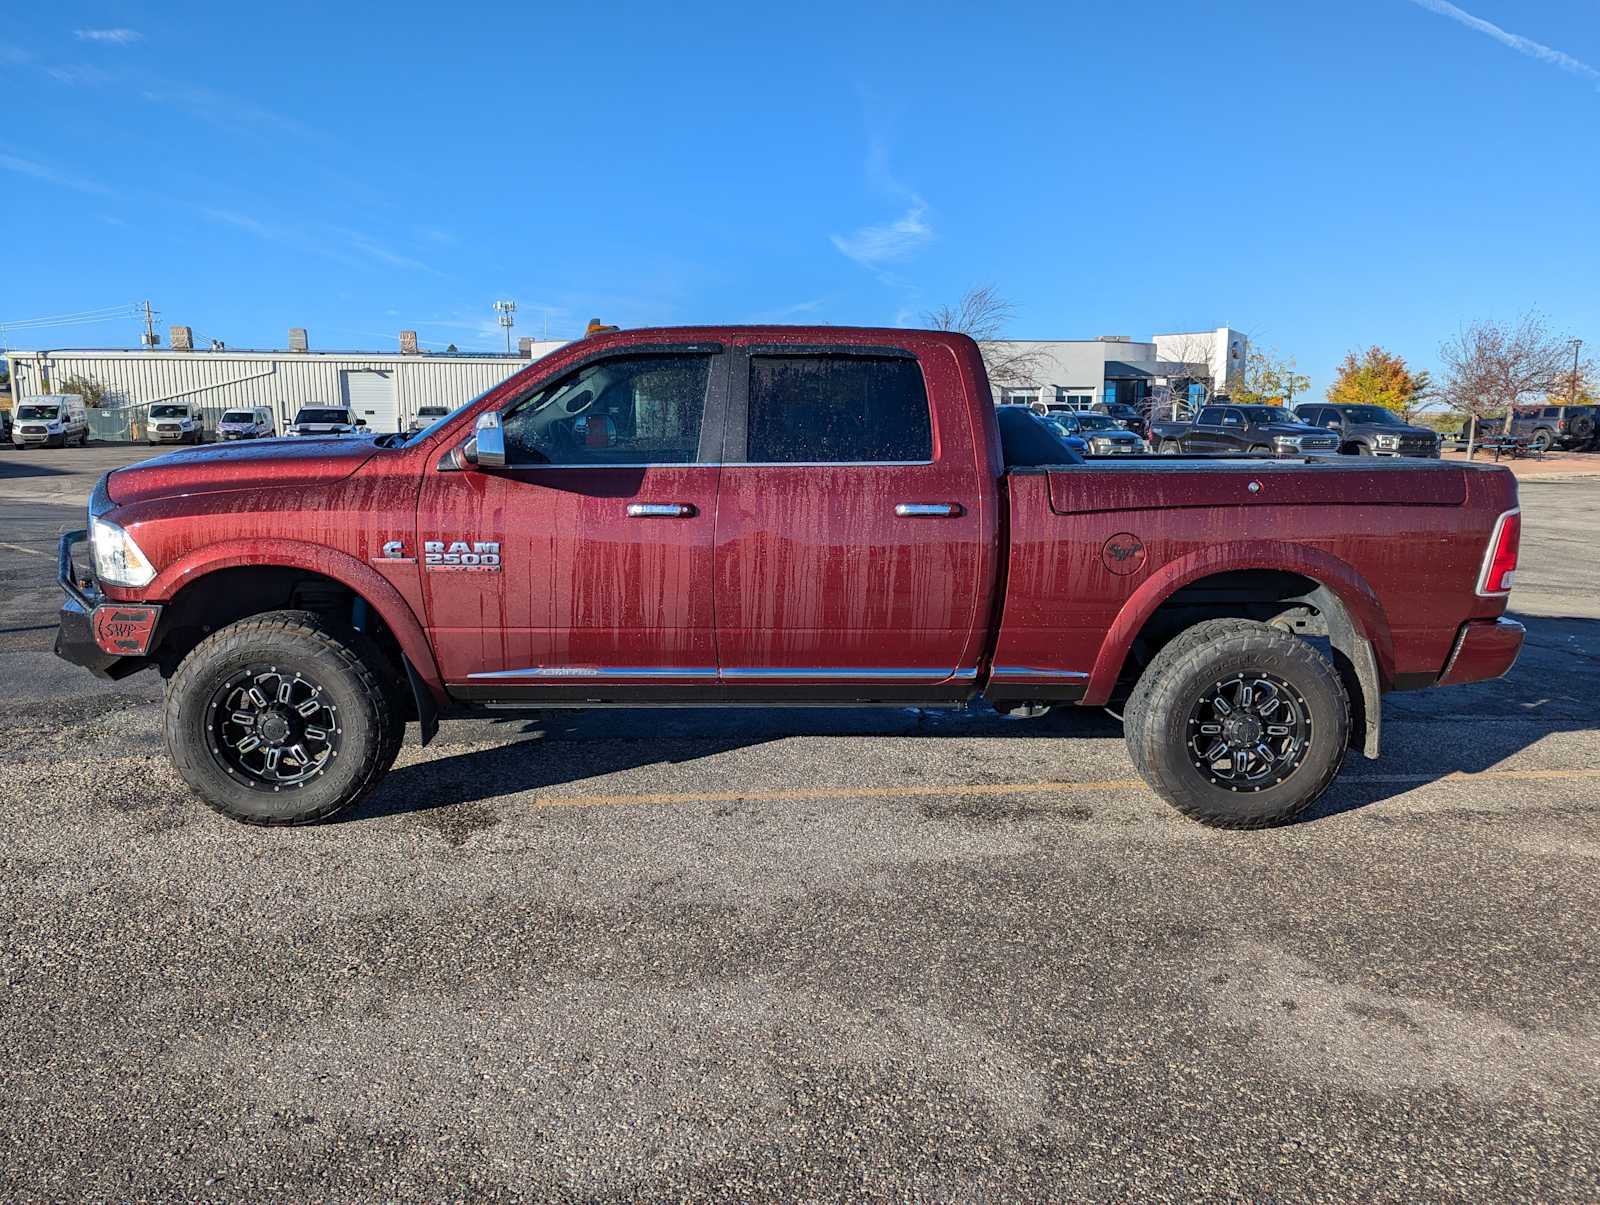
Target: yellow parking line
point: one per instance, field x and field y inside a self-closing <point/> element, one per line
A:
<point x="1014" y="788"/>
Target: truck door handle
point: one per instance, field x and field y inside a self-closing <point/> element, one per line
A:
<point x="929" y="510"/>
<point x="661" y="510"/>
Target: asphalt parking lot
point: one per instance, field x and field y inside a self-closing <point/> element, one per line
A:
<point x="802" y="953"/>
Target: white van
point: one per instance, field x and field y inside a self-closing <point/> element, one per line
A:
<point x="254" y="423"/>
<point x="54" y="419"/>
<point x="175" y="423"/>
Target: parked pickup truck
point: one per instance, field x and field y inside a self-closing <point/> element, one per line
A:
<point x="1235" y="429"/>
<point x="1365" y="430"/>
<point x="770" y="516"/>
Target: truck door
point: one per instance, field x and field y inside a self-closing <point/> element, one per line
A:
<point x="1233" y="434"/>
<point x="852" y="548"/>
<point x="1206" y="434"/>
<point x="586" y="562"/>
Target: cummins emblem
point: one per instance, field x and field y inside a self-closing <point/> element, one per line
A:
<point x="395" y="549"/>
<point x="479" y="556"/>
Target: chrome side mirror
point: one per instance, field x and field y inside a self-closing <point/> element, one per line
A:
<point x="487" y="447"/>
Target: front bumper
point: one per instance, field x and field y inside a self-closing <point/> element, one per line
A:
<point x="111" y="640"/>
<point x="1485" y="649"/>
<point x="168" y="437"/>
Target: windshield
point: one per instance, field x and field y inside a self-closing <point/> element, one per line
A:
<point x="169" y="412"/>
<point x="1376" y="415"/>
<point x="1097" y="422"/>
<point x="37" y="412"/>
<point x="322" y="416"/>
<point x="238" y="416"/>
<point x="431" y="411"/>
<point x="1267" y="414"/>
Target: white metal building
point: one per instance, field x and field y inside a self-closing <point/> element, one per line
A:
<point x="1081" y="372"/>
<point x="384" y="388"/>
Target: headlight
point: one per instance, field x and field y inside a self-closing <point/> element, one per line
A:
<point x="118" y="561"/>
<point x="1388" y="441"/>
<point x="1287" y="441"/>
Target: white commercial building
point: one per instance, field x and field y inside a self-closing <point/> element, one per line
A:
<point x="1115" y="368"/>
<point x="384" y="388"/>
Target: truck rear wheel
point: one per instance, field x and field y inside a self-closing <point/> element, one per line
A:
<point x="282" y="718"/>
<point x="1243" y="726"/>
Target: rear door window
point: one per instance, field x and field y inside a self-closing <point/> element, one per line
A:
<point x="1211" y="416"/>
<point x="837" y="409"/>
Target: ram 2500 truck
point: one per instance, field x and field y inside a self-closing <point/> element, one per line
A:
<point x="1234" y="429"/>
<point x="771" y="516"/>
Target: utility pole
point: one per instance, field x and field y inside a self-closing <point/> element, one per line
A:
<point x="1572" y="394"/>
<point x="150" y="338"/>
<point x="507" y="311"/>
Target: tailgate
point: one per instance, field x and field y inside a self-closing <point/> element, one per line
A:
<point x="1170" y="483"/>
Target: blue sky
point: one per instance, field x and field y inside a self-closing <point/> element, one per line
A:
<point x="1321" y="175"/>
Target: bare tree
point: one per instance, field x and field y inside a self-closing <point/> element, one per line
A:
<point x="1490" y="366"/>
<point x="984" y="315"/>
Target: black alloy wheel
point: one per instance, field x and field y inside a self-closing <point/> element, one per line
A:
<point x="273" y="728"/>
<point x="1249" y="732"/>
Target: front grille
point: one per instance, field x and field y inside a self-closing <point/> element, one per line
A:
<point x="32" y="430"/>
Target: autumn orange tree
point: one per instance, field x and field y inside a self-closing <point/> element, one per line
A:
<point x="1380" y="378"/>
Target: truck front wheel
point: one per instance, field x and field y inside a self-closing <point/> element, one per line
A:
<point x="1170" y="447"/>
<point x="1244" y="730"/>
<point x="282" y="718"/>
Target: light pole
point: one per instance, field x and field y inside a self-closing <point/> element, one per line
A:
<point x="1572" y="394"/>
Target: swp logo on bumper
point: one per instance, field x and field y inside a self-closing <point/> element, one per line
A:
<point x="477" y="556"/>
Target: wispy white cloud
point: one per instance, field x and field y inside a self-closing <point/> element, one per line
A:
<point x="783" y="312"/>
<point x="109" y="37"/>
<point x="14" y="55"/>
<point x="220" y="109"/>
<point x="81" y="73"/>
<point x="874" y="245"/>
<point x="1522" y="45"/>
<point x="51" y="175"/>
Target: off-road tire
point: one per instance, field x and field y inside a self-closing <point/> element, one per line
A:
<point x="1159" y="715"/>
<point x="351" y="670"/>
<point x="1363" y="449"/>
<point x="1260" y="449"/>
<point x="1543" y="440"/>
<point x="1170" y="447"/>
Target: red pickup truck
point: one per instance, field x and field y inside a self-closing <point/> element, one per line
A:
<point x="770" y="516"/>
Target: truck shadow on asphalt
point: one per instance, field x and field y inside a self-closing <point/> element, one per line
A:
<point x="25" y="465"/>
<point x="1427" y="735"/>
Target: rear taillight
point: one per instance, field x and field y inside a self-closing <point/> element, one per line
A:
<point x="1500" y="561"/>
<point x="1561" y="424"/>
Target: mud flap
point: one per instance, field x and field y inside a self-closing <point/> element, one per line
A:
<point x="427" y="712"/>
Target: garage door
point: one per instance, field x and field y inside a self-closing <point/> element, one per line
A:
<point x="372" y="396"/>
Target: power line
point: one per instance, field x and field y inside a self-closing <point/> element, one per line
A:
<point x="97" y="315"/>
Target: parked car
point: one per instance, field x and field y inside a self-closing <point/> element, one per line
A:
<point x="1370" y="430"/>
<point x="1125" y="414"/>
<point x="325" y="420"/>
<point x="1065" y="431"/>
<point x="254" y="423"/>
<point x="1234" y="429"/>
<point x="176" y="423"/>
<point x="50" y="420"/>
<point x="305" y="601"/>
<point x="426" y="416"/>
<point x="1545" y="427"/>
<point x="1102" y="434"/>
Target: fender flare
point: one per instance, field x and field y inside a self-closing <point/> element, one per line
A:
<point x="1372" y="644"/>
<point x="366" y="582"/>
